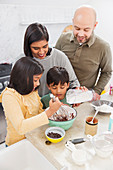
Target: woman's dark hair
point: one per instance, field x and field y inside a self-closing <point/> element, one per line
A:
<point x="22" y="75"/>
<point x="57" y="75"/>
<point x="34" y="32"/>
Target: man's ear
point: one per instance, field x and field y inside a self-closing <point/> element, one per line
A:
<point x="95" y="24"/>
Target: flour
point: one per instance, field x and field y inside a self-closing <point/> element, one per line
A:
<point x="104" y="108"/>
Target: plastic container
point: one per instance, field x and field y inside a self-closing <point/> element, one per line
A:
<point x="102" y="145"/>
<point x="74" y="96"/>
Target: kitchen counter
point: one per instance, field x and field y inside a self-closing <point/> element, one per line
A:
<point x="59" y="155"/>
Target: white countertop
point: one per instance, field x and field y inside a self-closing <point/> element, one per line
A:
<point x="59" y="155"/>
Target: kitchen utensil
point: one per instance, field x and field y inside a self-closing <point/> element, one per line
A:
<point x="90" y="128"/>
<point x="78" y="96"/>
<point x="52" y="97"/>
<point x="78" y="140"/>
<point x="79" y="156"/>
<point x="63" y="118"/>
<point x="55" y="130"/>
<point x="62" y="111"/>
<point x="61" y="123"/>
<point x="93" y="117"/>
<point x="102" y="145"/>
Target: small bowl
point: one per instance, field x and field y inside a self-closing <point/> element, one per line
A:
<point x="64" y="124"/>
<point x="55" y="130"/>
<point x="102" y="145"/>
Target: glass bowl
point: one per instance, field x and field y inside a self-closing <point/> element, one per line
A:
<point x="102" y="145"/>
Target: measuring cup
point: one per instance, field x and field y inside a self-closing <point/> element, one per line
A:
<point x="79" y="156"/>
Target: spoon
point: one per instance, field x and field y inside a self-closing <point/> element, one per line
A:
<point x="93" y="117"/>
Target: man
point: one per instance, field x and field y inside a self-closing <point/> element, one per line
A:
<point x="89" y="55"/>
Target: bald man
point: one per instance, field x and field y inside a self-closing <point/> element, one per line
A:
<point x="89" y="55"/>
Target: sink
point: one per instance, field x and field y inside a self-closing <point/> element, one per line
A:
<point x="23" y="156"/>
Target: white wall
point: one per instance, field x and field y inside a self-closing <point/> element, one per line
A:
<point x="16" y="15"/>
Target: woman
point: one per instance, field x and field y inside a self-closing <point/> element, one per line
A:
<point x="21" y="102"/>
<point x="36" y="46"/>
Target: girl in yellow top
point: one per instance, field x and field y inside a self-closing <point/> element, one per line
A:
<point x="21" y="102"/>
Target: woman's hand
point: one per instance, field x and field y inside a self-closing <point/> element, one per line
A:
<point x="53" y="107"/>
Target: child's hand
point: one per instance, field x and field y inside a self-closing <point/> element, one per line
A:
<point x="53" y="107"/>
